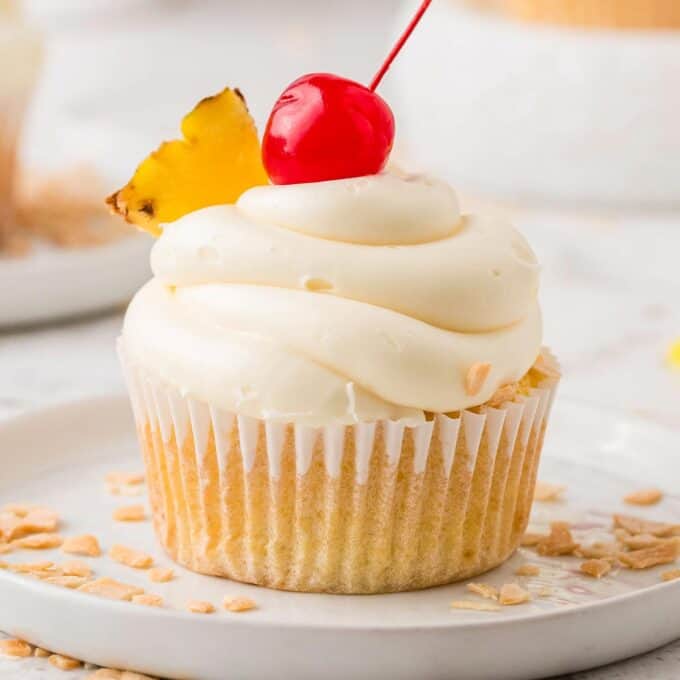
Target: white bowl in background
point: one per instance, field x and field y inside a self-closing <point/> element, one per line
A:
<point x="552" y="113"/>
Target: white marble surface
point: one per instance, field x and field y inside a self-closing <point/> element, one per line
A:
<point x="611" y="285"/>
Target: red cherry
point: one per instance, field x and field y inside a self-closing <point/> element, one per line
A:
<point x="324" y="127"/>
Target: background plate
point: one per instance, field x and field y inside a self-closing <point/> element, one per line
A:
<point x="53" y="283"/>
<point x="58" y="457"/>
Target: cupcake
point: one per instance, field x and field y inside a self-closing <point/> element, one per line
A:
<point x="339" y="384"/>
<point x="626" y="14"/>
<point x="20" y="57"/>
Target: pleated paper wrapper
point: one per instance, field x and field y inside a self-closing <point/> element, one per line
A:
<point x="372" y="507"/>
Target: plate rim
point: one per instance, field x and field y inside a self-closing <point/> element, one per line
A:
<point x="119" y="400"/>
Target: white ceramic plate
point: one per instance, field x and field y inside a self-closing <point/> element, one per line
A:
<point x="58" y="457"/>
<point x="54" y="283"/>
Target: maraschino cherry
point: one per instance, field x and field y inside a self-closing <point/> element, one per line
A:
<point x="324" y="127"/>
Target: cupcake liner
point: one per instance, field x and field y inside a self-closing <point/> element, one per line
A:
<point x="656" y="14"/>
<point x="364" y="508"/>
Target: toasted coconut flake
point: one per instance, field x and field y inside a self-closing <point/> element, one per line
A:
<point x="76" y="568"/>
<point x="85" y="545"/>
<point x="475" y="605"/>
<point x="17" y="509"/>
<point x="670" y="575"/>
<point x="6" y="548"/>
<point x="39" y="542"/>
<point x="111" y="589"/>
<point x="476" y="377"/>
<point x="29" y="567"/>
<point x="642" y="541"/>
<point x="105" y="674"/>
<point x="548" y="493"/>
<point x="543" y="366"/>
<point x="484" y="590"/>
<point x="598" y="551"/>
<point x="124" y="478"/>
<point x="41" y="653"/>
<point x="530" y="540"/>
<point x="512" y="594"/>
<point x="528" y="570"/>
<point x="637" y="525"/>
<point x="130" y="557"/>
<point x="16" y="648"/>
<point x="40" y="520"/>
<point x="148" y="600"/>
<point x="71" y="582"/>
<point x="239" y="604"/>
<point x="644" y="497"/>
<point x="665" y="553"/>
<point x="200" y="607"/>
<point x="124" y="490"/>
<point x="64" y="663"/>
<point x="595" y="568"/>
<point x="558" y="542"/>
<point x="161" y="575"/>
<point x="129" y="675"/>
<point x="130" y="513"/>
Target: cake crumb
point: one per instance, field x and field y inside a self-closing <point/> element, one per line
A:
<point x="595" y="568"/>
<point x="512" y="594"/>
<point x="16" y="648"/>
<point x="130" y="557"/>
<point x="642" y="541"/>
<point x="548" y="493"/>
<point x="477" y="606"/>
<point x="644" y="497"/>
<point x="161" y="575"/>
<point x="85" y="545"/>
<point x="476" y="377"/>
<point x="670" y="575"/>
<point x="239" y="604"/>
<point x="64" y="663"/>
<point x="528" y="570"/>
<point x="666" y="553"/>
<point x="200" y="607"/>
<point x="148" y="600"/>
<point x="130" y="513"/>
<point x="484" y="590"/>
<point x="111" y="589"/>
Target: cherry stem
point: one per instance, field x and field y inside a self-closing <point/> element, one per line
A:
<point x="400" y="43"/>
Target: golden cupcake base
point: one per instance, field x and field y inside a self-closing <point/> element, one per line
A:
<point x="336" y="509"/>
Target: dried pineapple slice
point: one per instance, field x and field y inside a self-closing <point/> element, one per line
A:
<point x="218" y="159"/>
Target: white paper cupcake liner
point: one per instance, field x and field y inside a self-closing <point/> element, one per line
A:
<point x="369" y="507"/>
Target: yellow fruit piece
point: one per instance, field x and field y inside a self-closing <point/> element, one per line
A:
<point x="674" y="354"/>
<point x="217" y="160"/>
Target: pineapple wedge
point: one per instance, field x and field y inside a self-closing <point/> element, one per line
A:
<point x="217" y="160"/>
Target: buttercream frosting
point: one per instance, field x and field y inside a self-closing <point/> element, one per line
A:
<point x="342" y="301"/>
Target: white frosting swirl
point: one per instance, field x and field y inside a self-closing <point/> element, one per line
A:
<point x="339" y="301"/>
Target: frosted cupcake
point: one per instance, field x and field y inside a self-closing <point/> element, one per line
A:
<point x="20" y="58"/>
<point x="338" y="385"/>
